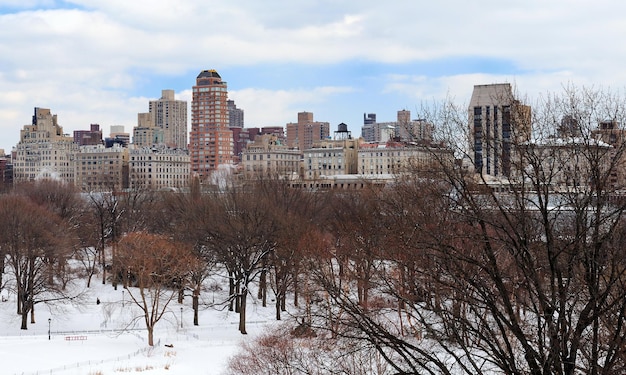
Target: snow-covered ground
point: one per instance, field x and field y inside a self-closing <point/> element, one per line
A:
<point x="99" y="339"/>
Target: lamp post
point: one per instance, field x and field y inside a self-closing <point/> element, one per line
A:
<point x="49" y="321"/>
<point x="122" y="298"/>
<point x="181" y="317"/>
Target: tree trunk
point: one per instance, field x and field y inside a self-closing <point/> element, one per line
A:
<point x="262" y="295"/>
<point x="194" y="303"/>
<point x="231" y="289"/>
<point x="150" y="336"/>
<point x="242" y="311"/>
<point x="295" y="289"/>
<point x="103" y="258"/>
<point x="237" y="297"/>
<point x="278" y="305"/>
<point x="1" y="270"/>
<point x="24" y="320"/>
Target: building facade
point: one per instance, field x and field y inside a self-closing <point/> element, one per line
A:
<point x="395" y="158"/>
<point x="117" y="135"/>
<point x="235" y="115"/>
<point x="6" y="171"/>
<point x="403" y="129"/>
<point x="158" y="168"/>
<point x="44" y="151"/>
<point x="170" y="115"/>
<point x="146" y="134"/>
<point x="303" y="133"/>
<point x="99" y="168"/>
<point x="368" y="131"/>
<point x="330" y="158"/>
<point x="211" y="140"/>
<point x="268" y="155"/>
<point x="497" y="123"/>
<point x="93" y="136"/>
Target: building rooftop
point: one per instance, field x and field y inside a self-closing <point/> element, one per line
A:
<point x="210" y="73"/>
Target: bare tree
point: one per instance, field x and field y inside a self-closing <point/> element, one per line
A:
<point x="240" y="231"/>
<point x="520" y="274"/>
<point x="34" y="240"/>
<point x="153" y="262"/>
<point x="284" y="353"/>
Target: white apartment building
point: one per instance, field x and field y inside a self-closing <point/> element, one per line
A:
<point x="396" y="158"/>
<point x="43" y="150"/>
<point x="268" y="155"/>
<point x="159" y="168"/>
<point x="331" y="157"/>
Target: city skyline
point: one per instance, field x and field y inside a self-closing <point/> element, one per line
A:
<point x="103" y="61"/>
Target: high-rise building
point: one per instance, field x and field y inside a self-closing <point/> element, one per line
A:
<point x="170" y="115"/>
<point x="235" y="115"/>
<point x="497" y="122"/>
<point x="211" y="143"/>
<point x="303" y="133"/>
<point x="368" y="131"/>
<point x="408" y="130"/>
<point x="44" y="151"/>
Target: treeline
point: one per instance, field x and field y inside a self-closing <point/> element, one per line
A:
<point x="442" y="272"/>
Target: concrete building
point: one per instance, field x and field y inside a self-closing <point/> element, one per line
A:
<point x="268" y="155"/>
<point x="146" y="133"/>
<point x="395" y="158"/>
<point x="158" y="168"/>
<point x="99" y="168"/>
<point x="368" y="131"/>
<point x="403" y="129"/>
<point x="170" y="115"/>
<point x="6" y="170"/>
<point x="303" y="133"/>
<point x="498" y="122"/>
<point x="93" y="136"/>
<point x="331" y="157"/>
<point x="244" y="136"/>
<point x="211" y="140"/>
<point x="44" y="151"/>
<point x="235" y="115"/>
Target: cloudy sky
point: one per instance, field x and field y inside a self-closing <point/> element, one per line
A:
<point x="101" y="61"/>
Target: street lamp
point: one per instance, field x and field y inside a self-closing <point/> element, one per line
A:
<point x="49" y="321"/>
<point x="181" y="317"/>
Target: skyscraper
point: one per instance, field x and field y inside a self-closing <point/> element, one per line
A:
<point x="170" y="115"/>
<point x="368" y="131"/>
<point x="235" y="115"/>
<point x="211" y="143"/>
<point x="497" y="123"/>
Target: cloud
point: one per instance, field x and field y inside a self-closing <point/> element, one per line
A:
<point x="100" y="60"/>
<point x="279" y="107"/>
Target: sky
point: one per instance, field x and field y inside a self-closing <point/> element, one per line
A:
<point x="102" y="61"/>
<point x="111" y="344"/>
